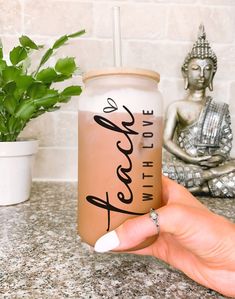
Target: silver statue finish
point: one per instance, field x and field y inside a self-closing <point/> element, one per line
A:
<point x="197" y="133"/>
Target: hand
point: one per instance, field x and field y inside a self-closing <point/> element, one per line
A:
<point x="192" y="239"/>
<point x="213" y="161"/>
<point x="198" y="160"/>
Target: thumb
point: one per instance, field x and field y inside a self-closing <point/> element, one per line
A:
<point x="135" y="231"/>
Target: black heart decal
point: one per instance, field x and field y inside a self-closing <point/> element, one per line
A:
<point x="112" y="106"/>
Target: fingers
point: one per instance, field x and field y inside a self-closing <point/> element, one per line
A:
<point x="135" y="231"/>
<point x="131" y="233"/>
<point x="175" y="193"/>
<point x="209" y="165"/>
<point x="203" y="158"/>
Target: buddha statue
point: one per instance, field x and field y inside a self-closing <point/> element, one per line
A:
<point x="197" y="133"/>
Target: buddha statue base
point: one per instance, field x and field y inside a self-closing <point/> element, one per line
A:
<point x="199" y="181"/>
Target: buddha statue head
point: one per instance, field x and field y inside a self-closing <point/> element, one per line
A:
<point x="200" y="64"/>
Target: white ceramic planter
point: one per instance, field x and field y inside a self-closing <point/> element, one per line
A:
<point x="16" y="160"/>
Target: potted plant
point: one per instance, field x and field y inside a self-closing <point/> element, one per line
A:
<point x="24" y="95"/>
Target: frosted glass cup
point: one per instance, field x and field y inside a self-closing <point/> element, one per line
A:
<point x="119" y="149"/>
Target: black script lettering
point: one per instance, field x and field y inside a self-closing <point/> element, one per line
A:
<point x="112" y="106"/>
<point x="105" y="204"/>
<point x="124" y="177"/>
<point x="122" y="172"/>
<point x="125" y="151"/>
<point x="106" y="123"/>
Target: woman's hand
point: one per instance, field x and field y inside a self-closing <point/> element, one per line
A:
<point x="192" y="239"/>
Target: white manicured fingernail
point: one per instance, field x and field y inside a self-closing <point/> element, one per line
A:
<point x="107" y="242"/>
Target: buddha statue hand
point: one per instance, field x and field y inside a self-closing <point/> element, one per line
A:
<point x="214" y="161"/>
<point x="195" y="160"/>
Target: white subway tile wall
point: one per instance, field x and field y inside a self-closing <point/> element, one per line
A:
<point x="157" y="34"/>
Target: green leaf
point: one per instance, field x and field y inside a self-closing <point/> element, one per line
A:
<point x="60" y="42"/>
<point x="3" y="65"/>
<point x="48" y="100"/>
<point x="66" y="66"/>
<point x="63" y="39"/>
<point x="70" y="91"/>
<point x="61" y="77"/>
<point x="18" y="94"/>
<point x="3" y="128"/>
<point x="10" y="73"/>
<point x="47" y="75"/>
<point x="9" y="88"/>
<point x="18" y="54"/>
<point x="38" y="113"/>
<point x="37" y="90"/>
<point x="76" y="34"/>
<point x="2" y="96"/>
<point x="10" y="104"/>
<point x="10" y="124"/>
<point x="42" y="110"/>
<point x="18" y="126"/>
<point x="25" y="110"/>
<point x="24" y="81"/>
<point x="27" y="42"/>
<point x="52" y="109"/>
<point x="45" y="57"/>
<point x="64" y="99"/>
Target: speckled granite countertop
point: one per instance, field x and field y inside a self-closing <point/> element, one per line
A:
<point x="41" y="255"/>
